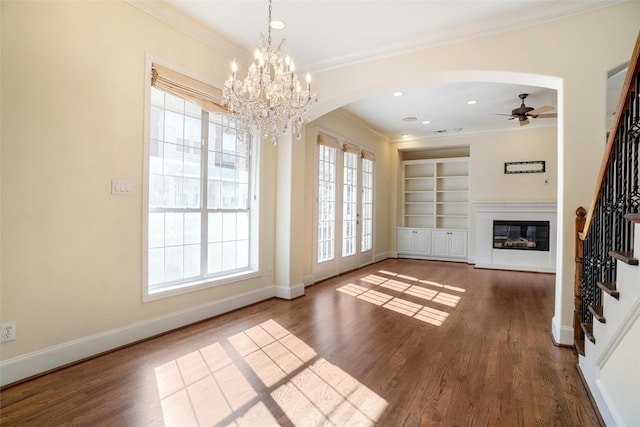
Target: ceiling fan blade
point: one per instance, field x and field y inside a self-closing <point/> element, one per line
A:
<point x="540" y="110"/>
<point x="546" y="116"/>
<point x="524" y="122"/>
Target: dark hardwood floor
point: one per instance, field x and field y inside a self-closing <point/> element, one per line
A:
<point x="399" y="343"/>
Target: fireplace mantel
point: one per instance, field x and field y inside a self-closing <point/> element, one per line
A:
<point x="489" y="257"/>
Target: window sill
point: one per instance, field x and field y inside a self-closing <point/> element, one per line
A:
<point x="184" y="288"/>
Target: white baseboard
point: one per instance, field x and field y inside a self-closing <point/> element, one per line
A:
<point x="289" y="292"/>
<point x="562" y="335"/>
<point x="533" y="269"/>
<point x="308" y="280"/>
<point x="30" y="364"/>
<point x="392" y="254"/>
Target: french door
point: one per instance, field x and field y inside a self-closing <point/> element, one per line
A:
<point x="344" y="216"/>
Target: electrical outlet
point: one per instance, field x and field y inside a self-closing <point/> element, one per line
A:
<point x="8" y="331"/>
<point x="269" y="272"/>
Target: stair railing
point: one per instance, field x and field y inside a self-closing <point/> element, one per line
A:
<point x="604" y="229"/>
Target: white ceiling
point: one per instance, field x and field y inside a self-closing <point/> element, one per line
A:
<point x="324" y="34"/>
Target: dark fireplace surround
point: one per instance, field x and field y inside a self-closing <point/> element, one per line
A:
<point x="521" y="235"/>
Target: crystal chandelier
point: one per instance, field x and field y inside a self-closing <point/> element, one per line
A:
<point x="271" y="96"/>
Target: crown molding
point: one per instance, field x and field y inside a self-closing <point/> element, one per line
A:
<point x="359" y="122"/>
<point x="463" y="134"/>
<point x="168" y="14"/>
<point x="443" y="40"/>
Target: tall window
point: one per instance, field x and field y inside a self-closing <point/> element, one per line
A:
<point x="367" y="205"/>
<point x="345" y="205"/>
<point x="199" y="177"/>
<point x="326" y="203"/>
<point x="349" y="204"/>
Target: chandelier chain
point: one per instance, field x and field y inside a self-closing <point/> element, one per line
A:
<point x="269" y="25"/>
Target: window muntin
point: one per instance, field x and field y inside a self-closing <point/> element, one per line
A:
<point x="196" y="236"/>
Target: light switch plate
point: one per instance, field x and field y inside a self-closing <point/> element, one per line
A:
<point x="121" y="187"/>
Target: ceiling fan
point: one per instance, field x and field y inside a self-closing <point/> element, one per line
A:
<point x="523" y="112"/>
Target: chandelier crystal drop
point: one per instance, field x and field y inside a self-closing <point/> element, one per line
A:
<point x="271" y="96"/>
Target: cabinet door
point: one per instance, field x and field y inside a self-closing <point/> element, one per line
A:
<point x="439" y="243"/>
<point x="422" y="242"/>
<point x="405" y="241"/>
<point x="458" y="244"/>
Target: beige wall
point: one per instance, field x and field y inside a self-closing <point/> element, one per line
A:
<point x="490" y="183"/>
<point x="572" y="55"/>
<point x="488" y="154"/>
<point x="73" y="84"/>
<point x="76" y="91"/>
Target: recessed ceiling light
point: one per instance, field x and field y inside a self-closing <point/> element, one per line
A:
<point x="398" y="93"/>
<point x="472" y="102"/>
<point x="409" y="119"/>
<point x="404" y="135"/>
<point x="277" y="24"/>
<point x="426" y="122"/>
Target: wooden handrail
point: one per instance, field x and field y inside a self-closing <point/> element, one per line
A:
<point x="577" y="284"/>
<point x="634" y="64"/>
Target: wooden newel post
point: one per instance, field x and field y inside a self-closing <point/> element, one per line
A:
<point x="581" y="214"/>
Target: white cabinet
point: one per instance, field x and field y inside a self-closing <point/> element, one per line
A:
<point x="414" y="241"/>
<point x="449" y="243"/>
<point x="435" y="208"/>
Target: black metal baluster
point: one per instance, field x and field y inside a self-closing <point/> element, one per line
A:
<point x="618" y="195"/>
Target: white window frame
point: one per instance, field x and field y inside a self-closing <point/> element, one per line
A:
<point x="204" y="281"/>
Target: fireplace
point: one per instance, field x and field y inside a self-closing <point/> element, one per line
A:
<point x="521" y="235"/>
<point x="492" y="253"/>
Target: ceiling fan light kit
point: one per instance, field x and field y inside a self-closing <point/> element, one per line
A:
<point x="523" y="112"/>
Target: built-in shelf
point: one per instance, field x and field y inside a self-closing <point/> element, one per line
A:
<point x="436" y="193"/>
<point x="435" y="205"/>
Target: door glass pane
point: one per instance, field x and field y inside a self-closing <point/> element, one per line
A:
<point x="326" y="203"/>
<point x="367" y="206"/>
<point x="349" y="204"/>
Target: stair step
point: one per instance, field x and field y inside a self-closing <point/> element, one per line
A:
<point x="597" y="312"/>
<point x="579" y="345"/>
<point x="626" y="257"/>
<point x="609" y="288"/>
<point x="633" y="217"/>
<point x="587" y="328"/>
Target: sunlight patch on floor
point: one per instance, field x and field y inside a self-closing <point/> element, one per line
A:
<point x="399" y="305"/>
<point x="352" y="289"/>
<point x="397" y="285"/>
<point x="374" y="279"/>
<point x="431" y="315"/>
<point x="407" y="285"/>
<point x="374" y="297"/>
<point x="208" y="386"/>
